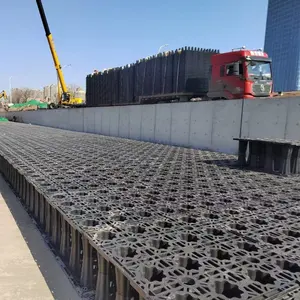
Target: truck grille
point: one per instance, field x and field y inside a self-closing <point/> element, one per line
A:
<point x="261" y="89"/>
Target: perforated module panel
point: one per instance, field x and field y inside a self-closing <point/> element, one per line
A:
<point x="136" y="220"/>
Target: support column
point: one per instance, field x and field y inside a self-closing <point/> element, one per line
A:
<point x="253" y="154"/>
<point x="74" y="262"/>
<point x="286" y="155"/>
<point x="54" y="226"/>
<point x="65" y="239"/>
<point x="31" y="198"/>
<point x="86" y="278"/>
<point x="103" y="289"/>
<point x="123" y="287"/>
<point x="48" y="217"/>
<point x="295" y="164"/>
<point x="269" y="160"/>
<point x="42" y="211"/>
<point x="36" y="204"/>
<point x="242" y="153"/>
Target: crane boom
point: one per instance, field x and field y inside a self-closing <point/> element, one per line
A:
<point x="3" y="95"/>
<point x="53" y="51"/>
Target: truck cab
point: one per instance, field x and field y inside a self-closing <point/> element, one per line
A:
<point x="240" y="74"/>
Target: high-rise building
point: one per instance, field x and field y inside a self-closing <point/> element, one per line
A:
<point x="282" y="43"/>
<point x="50" y="93"/>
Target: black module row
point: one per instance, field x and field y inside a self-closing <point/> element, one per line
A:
<point x="184" y="70"/>
<point x="143" y="221"/>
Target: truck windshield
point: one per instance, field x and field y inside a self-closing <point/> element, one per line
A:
<point x="259" y="70"/>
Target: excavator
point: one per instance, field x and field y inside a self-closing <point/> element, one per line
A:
<point x="66" y="98"/>
<point x="3" y="95"/>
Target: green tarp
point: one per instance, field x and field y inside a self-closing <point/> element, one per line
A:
<point x="30" y="103"/>
<point x="2" y="119"/>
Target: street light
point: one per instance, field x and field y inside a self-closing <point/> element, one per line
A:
<point x="69" y="65"/>
<point x="10" y="89"/>
<point x="161" y="47"/>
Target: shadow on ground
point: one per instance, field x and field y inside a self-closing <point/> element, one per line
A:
<point x="234" y="165"/>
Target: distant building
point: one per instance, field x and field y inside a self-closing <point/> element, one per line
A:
<point x="50" y="92"/>
<point x="37" y="94"/>
<point x="282" y="43"/>
<point x="80" y="94"/>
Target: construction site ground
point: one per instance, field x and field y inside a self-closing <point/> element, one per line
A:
<point x="28" y="268"/>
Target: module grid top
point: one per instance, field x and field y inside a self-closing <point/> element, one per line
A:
<point x="182" y="224"/>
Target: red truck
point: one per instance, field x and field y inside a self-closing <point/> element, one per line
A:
<point x="240" y="74"/>
<point x="186" y="74"/>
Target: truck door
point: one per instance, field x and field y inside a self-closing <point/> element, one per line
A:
<point x="233" y="80"/>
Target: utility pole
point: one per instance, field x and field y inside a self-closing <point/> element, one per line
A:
<point x="10" y="90"/>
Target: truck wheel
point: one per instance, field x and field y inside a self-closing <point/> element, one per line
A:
<point x="52" y="105"/>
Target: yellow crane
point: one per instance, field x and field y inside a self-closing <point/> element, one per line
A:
<point x="3" y="95"/>
<point x="66" y="98"/>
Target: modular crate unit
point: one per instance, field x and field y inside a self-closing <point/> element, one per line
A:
<point x="184" y="70"/>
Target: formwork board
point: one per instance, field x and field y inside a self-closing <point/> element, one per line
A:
<point x="212" y="124"/>
<point x="76" y="119"/>
<point x="264" y="118"/>
<point x="88" y="120"/>
<point x="180" y="124"/>
<point x="135" y="122"/>
<point x="163" y="123"/>
<point x="148" y="125"/>
<point x="114" y="120"/>
<point x="226" y="122"/>
<point x="104" y="117"/>
<point x="99" y="120"/>
<point x="61" y="117"/>
<point x="292" y="128"/>
<point x="28" y="117"/>
<point x="124" y="122"/>
<point x="201" y="125"/>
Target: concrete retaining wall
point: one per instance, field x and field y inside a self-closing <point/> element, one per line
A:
<point x="272" y="118"/>
<point x="204" y="125"/>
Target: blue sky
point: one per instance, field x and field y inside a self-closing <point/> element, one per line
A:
<point x="98" y="34"/>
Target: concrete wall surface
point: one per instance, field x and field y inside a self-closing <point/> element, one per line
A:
<point x="201" y="125"/>
<point x="272" y="118"/>
<point x="206" y="125"/>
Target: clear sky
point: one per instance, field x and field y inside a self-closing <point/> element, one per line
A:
<point x="98" y="34"/>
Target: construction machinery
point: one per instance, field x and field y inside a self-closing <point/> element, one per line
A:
<point x="240" y="74"/>
<point x="66" y="99"/>
<point x="186" y="74"/>
<point x="3" y="95"/>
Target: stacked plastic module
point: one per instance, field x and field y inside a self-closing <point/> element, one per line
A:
<point x="184" y="70"/>
<point x="135" y="220"/>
